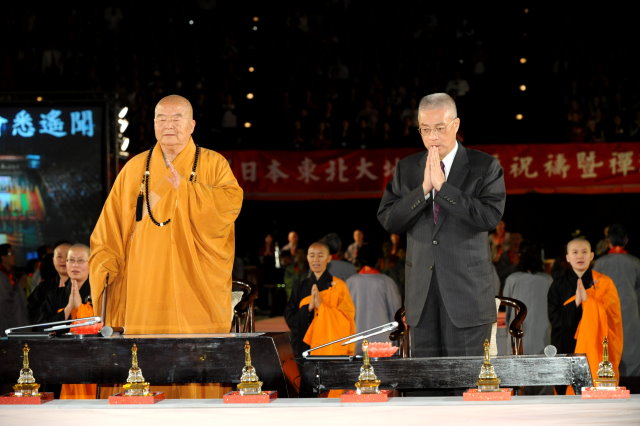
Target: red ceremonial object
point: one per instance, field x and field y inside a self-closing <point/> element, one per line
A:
<point x="121" y="398"/>
<point x="87" y="329"/>
<point x="502" y="319"/>
<point x="619" y="392"/>
<point x="383" y="395"/>
<point x="504" y="394"/>
<point x="235" y="398"/>
<point x="381" y="349"/>
<point x="11" y="398"/>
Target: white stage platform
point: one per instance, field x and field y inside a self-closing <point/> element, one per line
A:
<point x="331" y="412"/>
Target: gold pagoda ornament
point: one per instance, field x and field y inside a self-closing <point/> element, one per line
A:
<point x="250" y="387"/>
<point x="136" y="390"/>
<point x="26" y="385"/>
<point x="605" y="381"/>
<point x="488" y="381"/>
<point x="249" y="382"/>
<point x="606" y="375"/>
<point x="136" y="385"/>
<point x="367" y="382"/>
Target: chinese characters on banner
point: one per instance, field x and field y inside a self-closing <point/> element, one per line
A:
<point x="54" y="123"/>
<point x="347" y="174"/>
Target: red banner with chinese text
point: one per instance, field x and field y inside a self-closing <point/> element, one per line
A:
<point x="345" y="174"/>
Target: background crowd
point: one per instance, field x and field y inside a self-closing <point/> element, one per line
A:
<point x="334" y="73"/>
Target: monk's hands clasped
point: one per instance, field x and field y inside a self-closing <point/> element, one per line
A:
<point x="75" y="300"/>
<point x="581" y="293"/>
<point x="174" y="177"/>
<point x="316" y="300"/>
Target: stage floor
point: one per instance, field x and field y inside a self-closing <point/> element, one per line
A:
<point x="403" y="411"/>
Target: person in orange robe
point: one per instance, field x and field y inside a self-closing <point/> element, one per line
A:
<point x="78" y="307"/>
<point x="584" y="308"/>
<point x="163" y="248"/>
<point x="320" y="309"/>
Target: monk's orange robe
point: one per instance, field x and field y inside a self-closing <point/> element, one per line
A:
<point x="601" y="316"/>
<point x="175" y="278"/>
<point x="80" y="390"/>
<point x="333" y="319"/>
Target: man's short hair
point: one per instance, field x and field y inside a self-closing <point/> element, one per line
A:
<point x="332" y="241"/>
<point x="616" y="235"/>
<point x="368" y="255"/>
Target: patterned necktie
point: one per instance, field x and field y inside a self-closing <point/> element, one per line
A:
<point x="436" y="206"/>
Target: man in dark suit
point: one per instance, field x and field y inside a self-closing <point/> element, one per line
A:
<point x="447" y="200"/>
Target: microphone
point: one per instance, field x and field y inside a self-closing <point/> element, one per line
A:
<point x="550" y="351"/>
<point x="107" y="331"/>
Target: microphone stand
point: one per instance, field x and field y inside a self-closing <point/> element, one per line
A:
<point x="350" y="339"/>
<point x="48" y="332"/>
<point x="106" y="330"/>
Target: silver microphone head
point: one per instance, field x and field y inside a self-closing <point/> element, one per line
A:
<point x="106" y="331"/>
<point x="550" y="351"/>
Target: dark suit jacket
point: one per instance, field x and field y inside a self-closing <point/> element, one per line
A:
<point x="456" y="249"/>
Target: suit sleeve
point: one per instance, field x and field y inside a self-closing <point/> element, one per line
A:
<point x="400" y="208"/>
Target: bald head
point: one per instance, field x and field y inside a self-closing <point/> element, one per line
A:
<point x="176" y="100"/>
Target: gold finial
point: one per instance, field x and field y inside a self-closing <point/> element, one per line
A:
<point x="25" y="356"/>
<point x="249" y="382"/>
<point x="134" y="356"/>
<point x="366" y="362"/>
<point x="247" y="354"/>
<point x="26" y="385"/>
<point x="367" y="381"/>
<point x="488" y="381"/>
<point x="606" y="375"/>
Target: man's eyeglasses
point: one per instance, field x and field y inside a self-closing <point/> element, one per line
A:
<point x="76" y="261"/>
<point x="440" y="130"/>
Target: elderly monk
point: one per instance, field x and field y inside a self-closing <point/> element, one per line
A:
<point x="163" y="247"/>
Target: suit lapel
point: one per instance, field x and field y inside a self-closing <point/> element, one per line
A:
<point x="457" y="175"/>
<point x="459" y="169"/>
